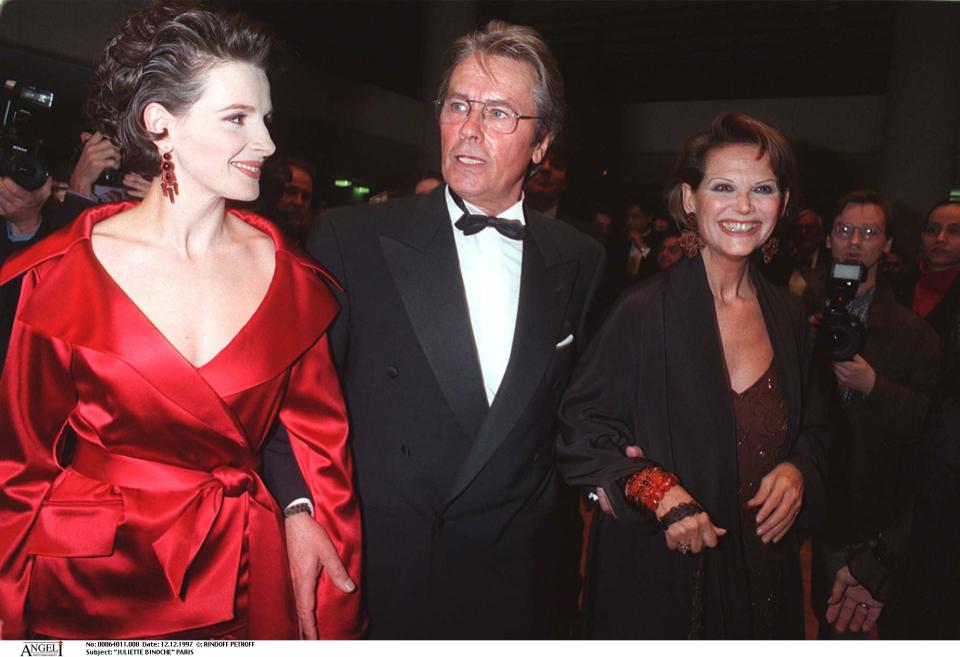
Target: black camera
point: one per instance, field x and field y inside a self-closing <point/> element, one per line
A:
<point x="846" y="331"/>
<point x="21" y="158"/>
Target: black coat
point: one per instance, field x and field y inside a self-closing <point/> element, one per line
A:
<point x="875" y="438"/>
<point x="929" y="607"/>
<point x="467" y="530"/>
<point x="654" y="376"/>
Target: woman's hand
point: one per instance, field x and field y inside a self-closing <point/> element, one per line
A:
<point x="779" y="497"/>
<point x="691" y="534"/>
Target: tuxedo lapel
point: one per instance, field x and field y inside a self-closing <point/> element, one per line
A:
<point x="423" y="261"/>
<point x="546" y="284"/>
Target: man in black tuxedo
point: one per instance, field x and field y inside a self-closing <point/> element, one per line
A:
<point x="461" y="322"/>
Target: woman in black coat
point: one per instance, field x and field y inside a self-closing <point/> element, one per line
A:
<point x="700" y="372"/>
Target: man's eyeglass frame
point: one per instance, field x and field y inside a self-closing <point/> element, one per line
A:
<point x="440" y="104"/>
<point x="867" y="233"/>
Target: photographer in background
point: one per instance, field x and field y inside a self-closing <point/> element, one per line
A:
<point x="20" y="209"/>
<point x="21" y="212"/>
<point x="24" y="183"/>
<point x="96" y="177"/>
<point x="880" y="363"/>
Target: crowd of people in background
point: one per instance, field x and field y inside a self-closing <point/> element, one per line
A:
<point x="636" y="333"/>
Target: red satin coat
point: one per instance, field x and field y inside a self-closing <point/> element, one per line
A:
<point x="160" y="525"/>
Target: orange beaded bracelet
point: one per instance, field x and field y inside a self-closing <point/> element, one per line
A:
<point x="647" y="487"/>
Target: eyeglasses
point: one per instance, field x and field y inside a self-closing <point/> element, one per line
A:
<point x="496" y="116"/>
<point x="867" y="233"/>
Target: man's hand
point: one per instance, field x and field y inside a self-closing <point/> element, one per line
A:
<point x="98" y="154"/>
<point x="310" y="550"/>
<point x="851" y="604"/>
<point x="856" y="374"/>
<point x="22" y="207"/>
<point x="633" y="452"/>
<point x="779" y="497"/>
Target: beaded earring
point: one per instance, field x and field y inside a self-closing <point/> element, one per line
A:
<point x="168" y="178"/>
<point x="769" y="249"/>
<point x="690" y="240"/>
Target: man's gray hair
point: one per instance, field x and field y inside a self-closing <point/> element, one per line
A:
<point x="523" y="44"/>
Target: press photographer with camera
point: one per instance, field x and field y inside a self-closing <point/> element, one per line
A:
<point x="97" y="172"/>
<point x="24" y="184"/>
<point x="879" y="362"/>
<point x="20" y="210"/>
<point x="95" y="177"/>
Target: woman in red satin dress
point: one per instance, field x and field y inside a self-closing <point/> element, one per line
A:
<point x="170" y="336"/>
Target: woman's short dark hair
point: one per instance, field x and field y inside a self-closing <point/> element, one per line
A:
<point x="162" y="54"/>
<point x="731" y="129"/>
<point x="523" y="44"/>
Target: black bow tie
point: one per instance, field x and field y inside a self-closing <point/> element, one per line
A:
<point x="472" y="224"/>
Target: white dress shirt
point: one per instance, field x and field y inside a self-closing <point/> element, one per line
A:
<point x="636" y="257"/>
<point x="490" y="266"/>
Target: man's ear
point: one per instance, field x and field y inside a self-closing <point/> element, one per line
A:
<point x="540" y="150"/>
<point x="158" y="120"/>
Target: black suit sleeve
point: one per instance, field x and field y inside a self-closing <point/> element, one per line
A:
<point x="280" y="471"/>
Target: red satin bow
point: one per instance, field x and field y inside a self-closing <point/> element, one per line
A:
<point x="223" y="497"/>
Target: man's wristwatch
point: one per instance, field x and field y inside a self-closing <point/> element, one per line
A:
<point x="294" y="509"/>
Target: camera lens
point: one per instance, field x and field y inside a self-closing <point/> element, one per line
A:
<point x="28" y="171"/>
<point x="846" y="337"/>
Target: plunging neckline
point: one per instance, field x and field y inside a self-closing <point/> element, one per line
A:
<point x="249" y="321"/>
<point x="753" y="385"/>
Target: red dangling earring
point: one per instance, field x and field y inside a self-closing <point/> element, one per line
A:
<point x="168" y="178"/>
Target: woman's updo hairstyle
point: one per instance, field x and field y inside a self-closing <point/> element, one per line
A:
<point x="734" y="129"/>
<point x="162" y="55"/>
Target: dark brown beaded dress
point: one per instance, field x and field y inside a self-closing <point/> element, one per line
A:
<point x="761" y="416"/>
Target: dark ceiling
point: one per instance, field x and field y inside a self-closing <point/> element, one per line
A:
<point x="621" y="51"/>
<point x="609" y="52"/>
